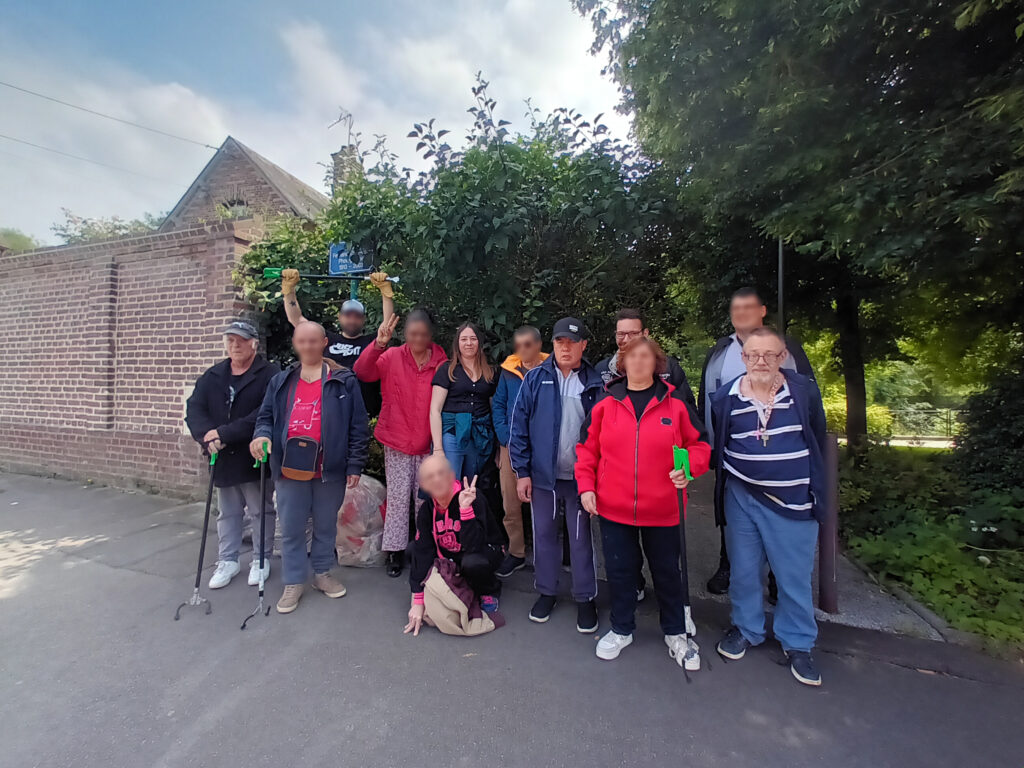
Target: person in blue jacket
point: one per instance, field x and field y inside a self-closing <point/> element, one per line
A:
<point x="548" y="414"/>
<point x="526" y="356"/>
<point x="314" y="426"/>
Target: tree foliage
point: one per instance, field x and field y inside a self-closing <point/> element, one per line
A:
<point x="17" y="240"/>
<point x="75" y="230"/>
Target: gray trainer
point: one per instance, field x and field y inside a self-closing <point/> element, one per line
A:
<point x="330" y="586"/>
<point x="290" y="599"/>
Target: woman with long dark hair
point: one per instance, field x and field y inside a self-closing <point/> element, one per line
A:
<point x="460" y="405"/>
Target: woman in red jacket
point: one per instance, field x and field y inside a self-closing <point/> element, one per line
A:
<point x="624" y="469"/>
<point x="403" y="428"/>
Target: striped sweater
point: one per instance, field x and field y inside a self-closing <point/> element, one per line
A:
<point x="778" y="472"/>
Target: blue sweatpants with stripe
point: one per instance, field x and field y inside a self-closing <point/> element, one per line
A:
<point x="547" y="507"/>
<point x="754" y="534"/>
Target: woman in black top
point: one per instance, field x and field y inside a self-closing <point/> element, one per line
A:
<point x="460" y="405"/>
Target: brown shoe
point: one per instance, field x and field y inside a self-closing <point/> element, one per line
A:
<point x="290" y="599"/>
<point x="329" y="585"/>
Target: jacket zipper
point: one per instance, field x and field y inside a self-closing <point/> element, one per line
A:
<point x="636" y="454"/>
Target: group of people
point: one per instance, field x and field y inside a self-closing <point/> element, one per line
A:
<point x="464" y="438"/>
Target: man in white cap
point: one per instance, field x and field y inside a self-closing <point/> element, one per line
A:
<point x="221" y="415"/>
<point x="344" y="348"/>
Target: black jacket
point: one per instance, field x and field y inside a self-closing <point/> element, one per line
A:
<point x="674" y="376"/>
<point x="212" y="406"/>
<point x="472" y="536"/>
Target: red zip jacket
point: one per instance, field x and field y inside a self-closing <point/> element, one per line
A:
<point x="626" y="462"/>
<point x="404" y="422"/>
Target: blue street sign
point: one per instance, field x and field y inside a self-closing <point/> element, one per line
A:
<point x="341" y="261"/>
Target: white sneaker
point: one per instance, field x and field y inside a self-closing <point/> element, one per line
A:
<point x="254" y="571"/>
<point x="226" y="571"/>
<point x="610" y="646"/>
<point x="685" y="651"/>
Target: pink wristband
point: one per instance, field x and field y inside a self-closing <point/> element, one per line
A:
<point x="467" y="513"/>
<point x="417" y="598"/>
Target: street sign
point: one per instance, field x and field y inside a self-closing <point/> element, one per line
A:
<point x="341" y="261"/>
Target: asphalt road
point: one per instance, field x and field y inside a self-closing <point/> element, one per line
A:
<point x="94" y="672"/>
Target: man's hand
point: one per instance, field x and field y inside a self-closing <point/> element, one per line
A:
<point x="260" y="447"/>
<point x="589" y="502"/>
<point x="351" y="481"/>
<point x="289" y="279"/>
<point x="678" y="478"/>
<point x="524" y="487"/>
<point x="213" y="442"/>
<point x="380" y="282"/>
<point x="468" y="493"/>
<point x="415" y="620"/>
<point x="386" y="331"/>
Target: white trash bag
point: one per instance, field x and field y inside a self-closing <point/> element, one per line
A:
<point x="361" y="524"/>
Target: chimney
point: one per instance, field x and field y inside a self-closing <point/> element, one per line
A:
<point x="347" y="165"/>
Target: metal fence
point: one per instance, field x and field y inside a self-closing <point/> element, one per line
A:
<point x="926" y="422"/>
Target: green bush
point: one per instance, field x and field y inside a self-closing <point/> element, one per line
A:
<point x="907" y="514"/>
<point x="990" y="445"/>
<point x="879" y="417"/>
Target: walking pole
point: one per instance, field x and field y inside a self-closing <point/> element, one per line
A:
<point x="691" y="657"/>
<point x="262" y="464"/>
<point x="196" y="600"/>
<point x="274" y="273"/>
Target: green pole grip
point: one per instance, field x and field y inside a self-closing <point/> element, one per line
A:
<point x="213" y="459"/>
<point x="681" y="457"/>
<point x="272" y="272"/>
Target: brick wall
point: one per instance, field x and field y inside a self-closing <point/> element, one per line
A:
<point x="102" y="345"/>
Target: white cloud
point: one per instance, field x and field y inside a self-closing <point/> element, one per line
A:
<point x="526" y="48"/>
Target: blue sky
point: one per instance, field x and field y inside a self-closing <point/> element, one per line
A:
<point x="272" y="74"/>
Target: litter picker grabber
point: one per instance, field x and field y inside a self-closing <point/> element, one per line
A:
<point x="274" y="273"/>
<point x="262" y="464"/>
<point x="197" y="600"/>
<point x="691" y="656"/>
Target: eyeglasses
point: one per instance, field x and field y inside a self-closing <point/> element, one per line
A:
<point x="769" y="357"/>
<point x="623" y="335"/>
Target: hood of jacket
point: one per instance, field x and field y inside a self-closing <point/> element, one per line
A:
<point x="513" y="363"/>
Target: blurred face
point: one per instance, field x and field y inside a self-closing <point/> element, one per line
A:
<point x="746" y="313"/>
<point x="418" y="336"/>
<point x="527" y="346"/>
<point x="469" y="344"/>
<point x="628" y="329"/>
<point x="763" y="356"/>
<point x="569" y="353"/>
<point x="640" y="364"/>
<point x="241" y="351"/>
<point x="436" y="477"/>
<point x="309" y="342"/>
<point x="351" y="323"/>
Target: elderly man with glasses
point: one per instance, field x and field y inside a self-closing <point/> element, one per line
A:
<point x="769" y="430"/>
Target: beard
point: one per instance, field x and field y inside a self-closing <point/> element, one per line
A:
<point x="762" y="378"/>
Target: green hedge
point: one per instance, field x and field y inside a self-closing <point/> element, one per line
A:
<point x="880" y="419"/>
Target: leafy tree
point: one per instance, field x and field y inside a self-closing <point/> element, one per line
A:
<point x="75" y="230"/>
<point x="17" y="240"/>
<point x="882" y="141"/>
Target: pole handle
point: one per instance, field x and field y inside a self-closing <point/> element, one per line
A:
<point x="681" y="459"/>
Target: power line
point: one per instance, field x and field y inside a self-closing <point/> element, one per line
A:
<point x="85" y="159"/>
<point x="109" y="117"/>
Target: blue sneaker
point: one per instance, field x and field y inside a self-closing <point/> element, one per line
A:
<point x="734" y="645"/>
<point x="803" y="668"/>
<point x="488" y="604"/>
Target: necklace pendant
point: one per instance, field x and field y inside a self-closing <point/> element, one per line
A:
<point x="764" y="439"/>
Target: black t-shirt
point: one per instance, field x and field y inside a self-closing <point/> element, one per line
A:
<point x="465" y="396"/>
<point x="641" y="397"/>
<point x="345" y="351"/>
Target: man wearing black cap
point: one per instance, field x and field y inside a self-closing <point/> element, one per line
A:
<point x="553" y="402"/>
<point x="221" y="415"/>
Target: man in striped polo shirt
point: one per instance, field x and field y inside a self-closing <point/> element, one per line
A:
<point x="769" y="427"/>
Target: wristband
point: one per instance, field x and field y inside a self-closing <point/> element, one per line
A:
<point x="467" y="513"/>
<point x="417" y="598"/>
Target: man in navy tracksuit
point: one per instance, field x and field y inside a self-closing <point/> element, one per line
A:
<point x="549" y="411"/>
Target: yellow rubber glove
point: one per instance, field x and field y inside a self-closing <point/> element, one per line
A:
<point x="380" y="282"/>
<point x="289" y="279"/>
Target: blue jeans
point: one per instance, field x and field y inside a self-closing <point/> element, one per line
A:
<point x="297" y="501"/>
<point x="754" y="534"/>
<point x="622" y="561"/>
<point x="547" y="507"/>
<point x="465" y="462"/>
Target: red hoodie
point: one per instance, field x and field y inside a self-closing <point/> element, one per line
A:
<point x="405" y="388"/>
<point x="626" y="462"/>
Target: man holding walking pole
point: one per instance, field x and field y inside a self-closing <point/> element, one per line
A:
<point x="221" y="415"/>
<point x="314" y="426"/>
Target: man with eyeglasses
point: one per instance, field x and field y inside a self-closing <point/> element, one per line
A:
<point x="526" y="356"/>
<point x="769" y="431"/>
<point x="724" y="364"/>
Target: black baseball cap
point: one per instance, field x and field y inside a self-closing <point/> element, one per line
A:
<point x="569" y="328"/>
<point x="243" y="329"/>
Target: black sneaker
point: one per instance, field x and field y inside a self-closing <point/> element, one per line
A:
<point x="510" y="565"/>
<point x="586" y="617"/>
<point x="541" y="610"/>
<point x="719" y="583"/>
<point x="734" y="645"/>
<point x="394" y="563"/>
<point x="803" y="668"/>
